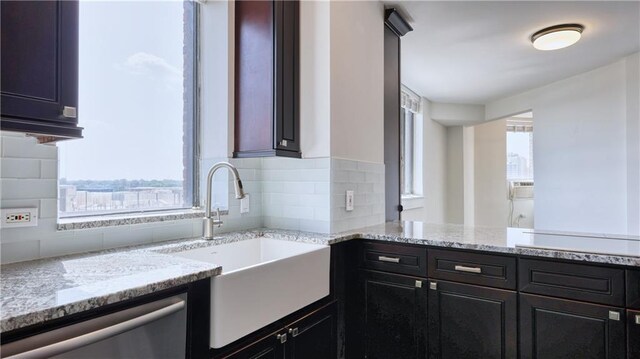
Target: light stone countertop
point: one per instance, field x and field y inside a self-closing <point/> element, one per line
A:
<point x="41" y="290"/>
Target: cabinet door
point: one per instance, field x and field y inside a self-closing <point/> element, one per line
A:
<point x="313" y="337"/>
<point x="287" y="112"/>
<point x="40" y="67"/>
<point x="270" y="347"/>
<point x="467" y="321"/>
<point x="553" y="328"/>
<point x="633" y="334"/>
<point x="393" y="316"/>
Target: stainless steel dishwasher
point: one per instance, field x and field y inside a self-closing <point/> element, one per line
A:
<point x="151" y="330"/>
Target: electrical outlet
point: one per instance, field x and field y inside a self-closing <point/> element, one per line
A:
<point x="19" y="217"/>
<point x="244" y="204"/>
<point x="349" y="201"/>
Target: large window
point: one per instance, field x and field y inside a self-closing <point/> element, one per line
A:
<point x="137" y="105"/>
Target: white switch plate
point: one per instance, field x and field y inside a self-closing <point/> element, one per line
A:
<point x="19" y="217"/>
<point x="244" y="204"/>
<point x="349" y="200"/>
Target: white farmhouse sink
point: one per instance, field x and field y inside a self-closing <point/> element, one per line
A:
<point x="262" y="280"/>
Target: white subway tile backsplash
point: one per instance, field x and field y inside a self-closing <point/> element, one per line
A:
<point x="127" y="235"/>
<point x="49" y="208"/>
<point x="28" y="188"/>
<point x="77" y="242"/>
<point x="27" y="147"/>
<point x="364" y="178"/>
<point x="19" y="251"/>
<point x="49" y="169"/>
<point x="173" y="230"/>
<point x="20" y="168"/>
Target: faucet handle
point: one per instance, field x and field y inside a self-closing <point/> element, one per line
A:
<point x="217" y="222"/>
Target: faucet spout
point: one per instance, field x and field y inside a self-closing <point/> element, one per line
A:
<point x="209" y="221"/>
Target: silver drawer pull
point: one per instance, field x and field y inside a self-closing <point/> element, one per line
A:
<point x="69" y="112"/>
<point x="389" y="259"/>
<point x="638" y="319"/>
<point x="468" y="269"/>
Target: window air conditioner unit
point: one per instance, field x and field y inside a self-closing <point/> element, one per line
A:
<point x="520" y="189"/>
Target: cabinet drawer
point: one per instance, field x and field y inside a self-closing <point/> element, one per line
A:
<point x="633" y="289"/>
<point x="474" y="268"/>
<point x="394" y="258"/>
<point x="572" y="281"/>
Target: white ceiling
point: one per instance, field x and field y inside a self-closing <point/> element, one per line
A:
<point x="477" y="51"/>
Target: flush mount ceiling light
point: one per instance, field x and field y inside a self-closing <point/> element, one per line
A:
<point x="557" y="37"/>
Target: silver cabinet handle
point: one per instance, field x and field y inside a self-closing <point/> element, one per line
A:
<point x="69" y="112"/>
<point x="389" y="259"/>
<point x="468" y="269"/>
<point x="282" y="338"/>
<point x="51" y="343"/>
<point x="638" y="319"/>
<point x="293" y="332"/>
<point x="613" y="315"/>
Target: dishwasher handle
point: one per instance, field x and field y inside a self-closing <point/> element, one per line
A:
<point x="46" y="345"/>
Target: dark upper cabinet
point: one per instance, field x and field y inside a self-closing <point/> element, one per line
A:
<point x="267" y="112"/>
<point x="39" y="82"/>
<point x="558" y="328"/>
<point x="467" y="321"/>
<point x="392" y="318"/>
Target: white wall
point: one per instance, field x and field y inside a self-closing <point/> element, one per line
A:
<point x="357" y="84"/>
<point x="315" y="90"/>
<point x="435" y="168"/>
<point x="453" y="114"/>
<point x="216" y="105"/>
<point x="491" y="206"/>
<point x="583" y="153"/>
<point x="633" y="142"/>
<point x="454" y="207"/>
<point x="468" y="165"/>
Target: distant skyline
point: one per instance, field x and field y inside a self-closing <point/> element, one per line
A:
<point x="130" y="93"/>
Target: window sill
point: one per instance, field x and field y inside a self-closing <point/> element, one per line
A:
<point x="66" y="224"/>
<point x="412" y="202"/>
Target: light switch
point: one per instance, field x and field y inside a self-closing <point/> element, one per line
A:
<point x="349" y="201"/>
<point x="244" y="204"/>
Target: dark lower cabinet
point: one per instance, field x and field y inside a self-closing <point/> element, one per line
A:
<point x="312" y="336"/>
<point x="467" y="321"/>
<point x="633" y="334"/>
<point x="553" y="328"/>
<point x="266" y="348"/>
<point x="393" y="317"/>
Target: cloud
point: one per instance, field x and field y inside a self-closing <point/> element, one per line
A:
<point x="154" y="67"/>
<point x="143" y="63"/>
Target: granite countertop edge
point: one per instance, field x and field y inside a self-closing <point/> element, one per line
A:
<point x="40" y="316"/>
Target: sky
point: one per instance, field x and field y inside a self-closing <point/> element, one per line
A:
<point x="130" y="93"/>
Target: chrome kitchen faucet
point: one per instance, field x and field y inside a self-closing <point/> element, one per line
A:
<point x="208" y="221"/>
